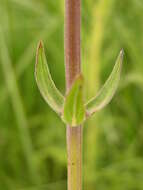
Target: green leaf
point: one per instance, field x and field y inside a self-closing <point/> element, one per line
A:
<point x="45" y="83"/>
<point x="74" y="110"/>
<point x="108" y="90"/>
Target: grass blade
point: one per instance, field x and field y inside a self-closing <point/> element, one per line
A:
<point x="18" y="108"/>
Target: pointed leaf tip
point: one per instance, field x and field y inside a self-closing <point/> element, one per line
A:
<point x="108" y="90"/>
<point x="39" y="47"/>
<point x="74" y="110"/>
<point x="122" y="54"/>
<point x="45" y="83"/>
<point x="40" y="44"/>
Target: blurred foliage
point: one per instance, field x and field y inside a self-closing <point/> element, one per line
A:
<point x="32" y="137"/>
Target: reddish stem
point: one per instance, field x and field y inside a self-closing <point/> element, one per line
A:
<point x="72" y="66"/>
<point x="72" y="40"/>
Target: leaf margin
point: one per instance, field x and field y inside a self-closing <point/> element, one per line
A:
<point x="89" y="108"/>
<point x="73" y="121"/>
<point x="57" y="107"/>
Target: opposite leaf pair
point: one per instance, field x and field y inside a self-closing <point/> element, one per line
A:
<point x="71" y="108"/>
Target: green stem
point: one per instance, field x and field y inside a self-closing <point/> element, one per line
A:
<point x="72" y="66"/>
<point x="74" y="148"/>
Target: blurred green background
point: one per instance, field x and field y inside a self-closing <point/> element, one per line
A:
<point x="32" y="137"/>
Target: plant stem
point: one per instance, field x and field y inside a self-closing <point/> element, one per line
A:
<point x="72" y="66"/>
<point x="74" y="148"/>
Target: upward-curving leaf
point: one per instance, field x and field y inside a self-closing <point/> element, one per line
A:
<point x="108" y="90"/>
<point x="45" y="83"/>
<point x="74" y="110"/>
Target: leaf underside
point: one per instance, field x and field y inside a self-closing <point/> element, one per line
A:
<point x="45" y="83"/>
<point x="108" y="90"/>
<point x="74" y="110"/>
